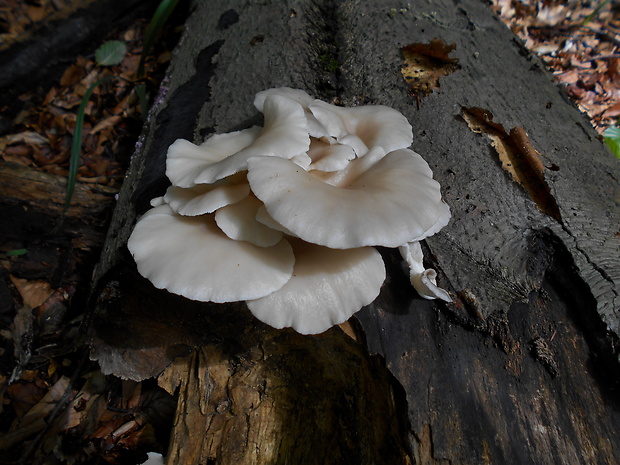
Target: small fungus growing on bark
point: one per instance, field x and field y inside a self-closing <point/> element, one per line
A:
<point x="287" y="216"/>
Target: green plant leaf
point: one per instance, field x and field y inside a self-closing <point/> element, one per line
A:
<point x="163" y="12"/>
<point x="16" y="252"/>
<point x="76" y="144"/>
<point x="612" y="139"/>
<point x="110" y="53"/>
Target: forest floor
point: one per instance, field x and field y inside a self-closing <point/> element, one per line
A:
<point x="578" y="44"/>
<point x="53" y="401"/>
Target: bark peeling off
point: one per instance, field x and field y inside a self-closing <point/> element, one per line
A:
<point x="252" y="392"/>
<point x="276" y="401"/>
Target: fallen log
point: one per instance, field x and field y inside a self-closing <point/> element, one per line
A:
<point x="522" y="366"/>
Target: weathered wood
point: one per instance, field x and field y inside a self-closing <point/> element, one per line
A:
<point x="279" y="402"/>
<point x="523" y="367"/>
<point x="21" y="186"/>
<point x="31" y="212"/>
<point x="249" y="393"/>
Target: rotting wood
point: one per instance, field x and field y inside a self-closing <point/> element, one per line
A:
<point x="517" y="156"/>
<point x="42" y="196"/>
<point x="21" y="185"/>
<point x="249" y="393"/>
<point x="517" y="370"/>
<point x="272" y="402"/>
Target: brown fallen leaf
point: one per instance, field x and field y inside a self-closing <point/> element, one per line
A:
<point x="425" y="64"/>
<point x="33" y="293"/>
<point x="109" y="122"/>
<point x="34" y="421"/>
<point x="613" y="111"/>
<point x="26" y="137"/>
<point x="26" y="392"/>
<point x="72" y="75"/>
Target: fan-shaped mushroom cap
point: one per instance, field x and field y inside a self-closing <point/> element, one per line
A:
<point x="329" y="157"/>
<point x="204" y="198"/>
<point x="297" y="95"/>
<point x="284" y="135"/>
<point x="364" y="127"/>
<point x="315" y="129"/>
<point x="423" y="280"/>
<point x="265" y="218"/>
<point x="391" y="203"/>
<point x="192" y="257"/>
<point x="238" y="221"/>
<point x="327" y="287"/>
<point x="186" y="160"/>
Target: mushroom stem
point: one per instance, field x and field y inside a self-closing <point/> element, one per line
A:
<point x="423" y="280"/>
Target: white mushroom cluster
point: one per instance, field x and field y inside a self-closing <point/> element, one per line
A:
<point x="286" y="216"/>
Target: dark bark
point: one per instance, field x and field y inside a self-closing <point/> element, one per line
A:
<point x="521" y="368"/>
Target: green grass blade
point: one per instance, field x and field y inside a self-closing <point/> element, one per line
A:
<point x="163" y="12"/>
<point x="595" y="12"/>
<point x="76" y="145"/>
<point x="16" y="252"/>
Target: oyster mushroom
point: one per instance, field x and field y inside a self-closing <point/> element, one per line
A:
<point x="364" y="127"/>
<point x="392" y="202"/>
<point x="204" y="198"/>
<point x="327" y="287"/>
<point x="191" y="256"/>
<point x="285" y="135"/>
<point x="185" y="161"/>
<point x="239" y="222"/>
<point x="423" y="280"/>
<point x="285" y="216"/>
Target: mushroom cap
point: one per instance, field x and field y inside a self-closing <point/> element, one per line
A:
<point x="284" y="135"/>
<point x="393" y="202"/>
<point x="329" y="157"/>
<point x="364" y="127"/>
<point x="186" y="160"/>
<point x="204" y="198"/>
<point x="315" y="129"/>
<point x="327" y="287"/>
<point x="263" y="217"/>
<point x="238" y="221"/>
<point x="425" y="284"/>
<point x="192" y="257"/>
<point x="297" y="95"/>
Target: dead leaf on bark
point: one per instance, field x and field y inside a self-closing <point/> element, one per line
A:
<point x="518" y="158"/>
<point x="425" y="64"/>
